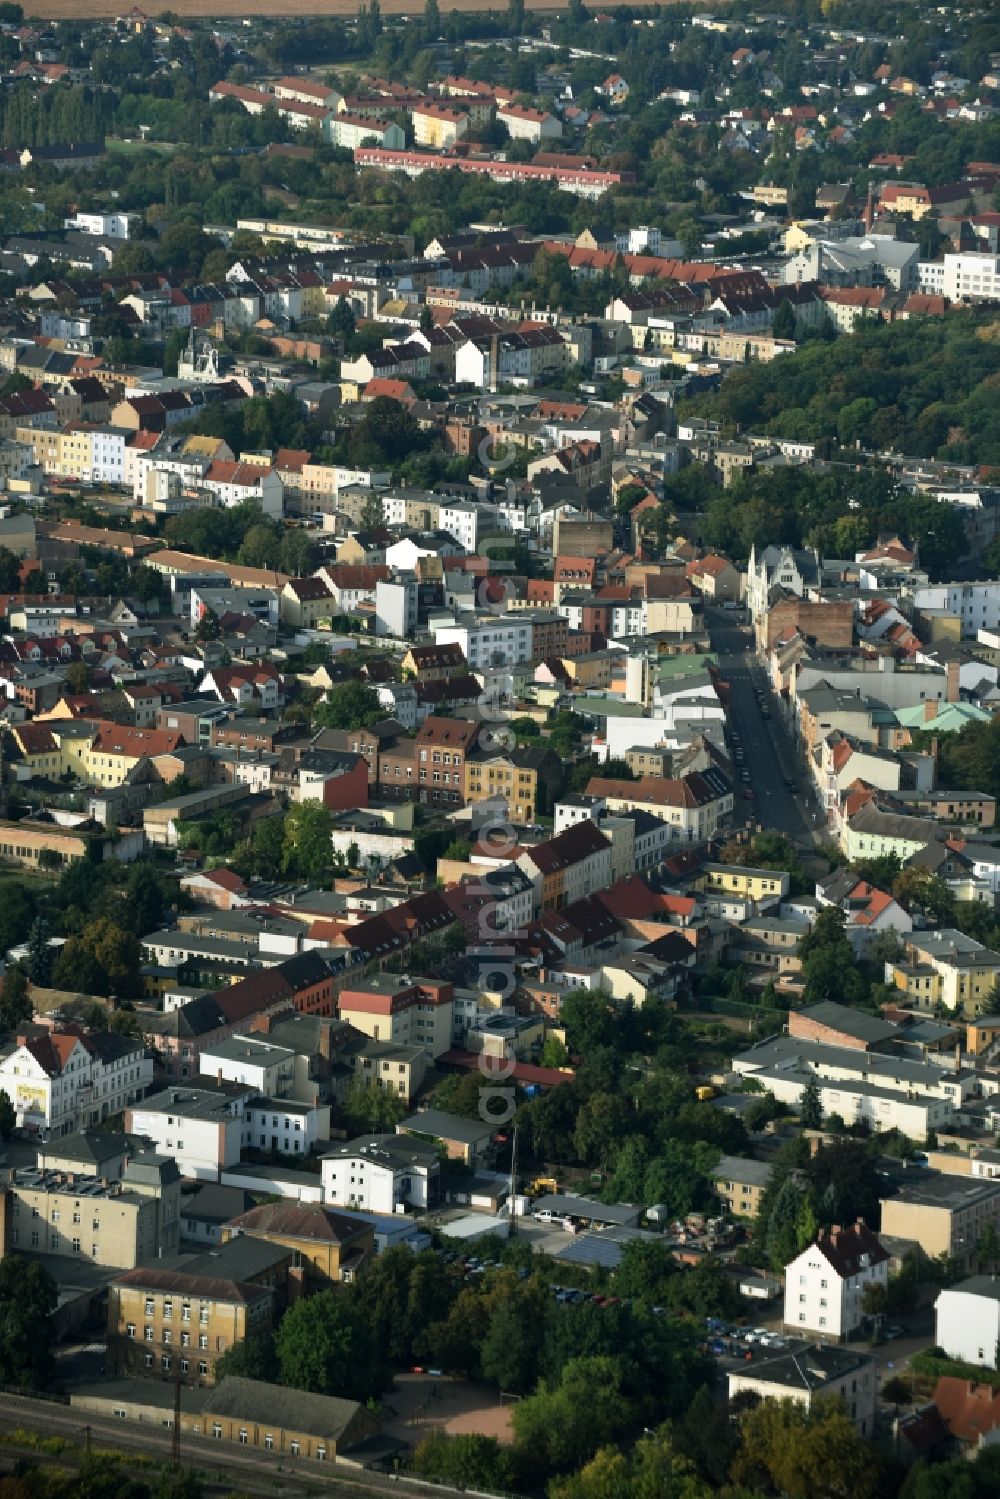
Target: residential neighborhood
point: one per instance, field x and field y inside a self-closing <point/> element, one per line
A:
<point x="499" y="751"/>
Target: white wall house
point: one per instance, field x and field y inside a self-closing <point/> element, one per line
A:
<point x="967" y="1318"/>
<point x="487" y="640"/>
<point x="280" y="1124"/>
<point x="201" y="1128"/>
<point x="255" y="1061"/>
<point x="825" y="1284"/>
<point x="382" y="1176"/>
<point x="60" y="1083"/>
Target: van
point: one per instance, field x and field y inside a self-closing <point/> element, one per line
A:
<point x="544" y="1215"/>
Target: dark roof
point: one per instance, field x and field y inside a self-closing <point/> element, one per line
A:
<point x="851" y="1250"/>
<point x="213" y="1203"/>
<point x="568" y="847"/>
<point x="300" y="1220"/>
<point x="183" y="1283"/>
<point x="90" y="1147"/>
<point x="241" y="1259"/>
<point x="268" y="1405"/>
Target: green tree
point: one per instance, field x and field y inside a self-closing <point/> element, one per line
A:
<point x="325" y="1348"/>
<point x="10" y="571"/>
<point x="646" y="1270"/>
<point x="8" y="1118"/>
<point x="250" y="1358"/>
<point x="27" y="1302"/>
<point x="352" y="705"/>
<point x="465" y="1461"/>
<point x="805" y="1454"/>
<point x="104" y="959"/>
<point x="307" y="851"/>
<point x="77" y="677"/>
<point x="553" y="1053"/>
<point x="875" y="1303"/>
<point x="782" y="1241"/>
<point x="174" y="347"/>
<point x="15" y="1006"/>
<point x="17" y="912"/>
<point x="811" y="1104"/>
<point x="988" y="1249"/>
<point x="784" y="324"/>
<point x="510" y="1349"/>
<point x="991" y="1004"/>
<point x="898" y="1391"/>
<point x="207" y="627"/>
<point x="367" y="1107"/>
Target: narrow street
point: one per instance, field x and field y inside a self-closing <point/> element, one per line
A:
<point x="769" y="749"/>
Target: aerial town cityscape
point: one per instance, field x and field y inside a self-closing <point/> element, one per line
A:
<point x="500" y="750"/>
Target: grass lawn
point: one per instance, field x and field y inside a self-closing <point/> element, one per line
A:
<point x="34" y="883"/>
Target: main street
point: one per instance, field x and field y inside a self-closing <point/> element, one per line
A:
<point x="770" y="753"/>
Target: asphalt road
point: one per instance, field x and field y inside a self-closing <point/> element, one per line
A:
<point x="769" y="749"/>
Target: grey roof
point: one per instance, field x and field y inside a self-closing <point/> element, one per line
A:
<point x="621" y="1213"/>
<point x="942" y="1190"/>
<point x="90" y="1147"/>
<point x="979" y="1285"/>
<point x="807" y="1366"/>
<point x="781" y="1053"/>
<point x="248" y="1049"/>
<point x="213" y="1203"/>
<point x="444" y="1126"/>
<point x="151" y="1170"/>
<point x="850" y="1022"/>
<point x="739" y="1168"/>
<point x="271" y="1405"/>
<point x="240" y="1259"/>
<point x="395" y="1151"/>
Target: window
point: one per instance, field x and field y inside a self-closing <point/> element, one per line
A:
<point x="148" y="1360"/>
<point x="822" y="1321"/>
<point x="148" y="1334"/>
<point x="184" y="1365"/>
<point x="216" y="1431"/>
<point x="202" y="1340"/>
<point x="149" y="1306"/>
<point x="165" y="1362"/>
<point x="168" y="1336"/>
<point x="185" y="1340"/>
<point x="244" y="1435"/>
<point x="268" y="1441"/>
<point x="202" y="1368"/>
<point x="320" y="1454"/>
<point x="295" y="1448"/>
<point x="76" y="1246"/>
<point x="130" y="1329"/>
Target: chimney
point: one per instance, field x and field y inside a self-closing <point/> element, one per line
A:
<point x="261" y="1024"/>
<point x="952" y="670"/>
<point x="325" y="1032"/>
<point x="930" y="711"/>
<point x="218" y="1076"/>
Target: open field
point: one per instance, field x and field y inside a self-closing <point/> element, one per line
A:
<point x="229" y="10"/>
